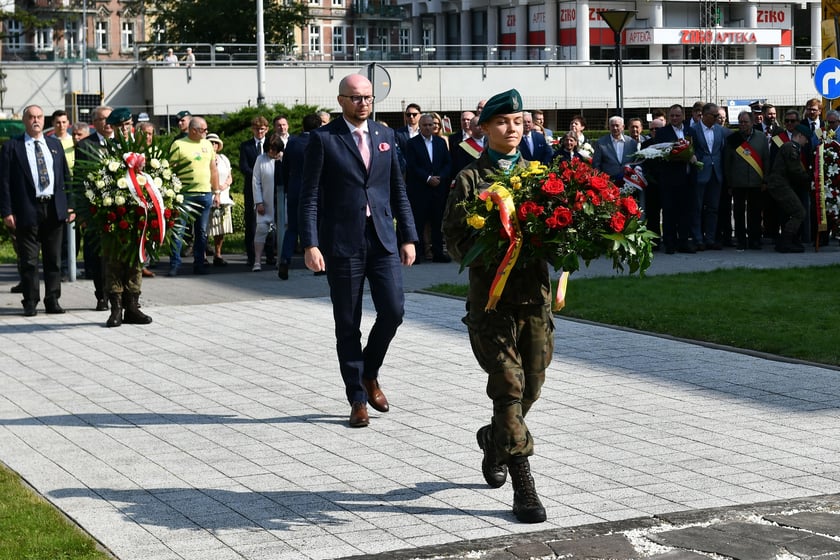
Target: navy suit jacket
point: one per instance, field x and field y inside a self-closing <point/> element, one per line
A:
<point x="419" y="168"/>
<point x="606" y="158"/>
<point x="542" y="151"/>
<point x="712" y="159"/>
<point x="675" y="173"/>
<point x="247" y="158"/>
<point x="17" y="186"/>
<point x="335" y="175"/>
<point x="292" y="170"/>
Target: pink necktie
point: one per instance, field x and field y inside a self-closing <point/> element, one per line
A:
<point x="363" y="147"/>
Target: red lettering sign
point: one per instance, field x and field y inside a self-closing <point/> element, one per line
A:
<point x="511" y="20"/>
<point x="707" y="36"/>
<point x="771" y="16"/>
<point x="568" y="14"/>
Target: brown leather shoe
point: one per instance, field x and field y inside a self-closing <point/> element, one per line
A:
<point x="359" y="415"/>
<point x="376" y="398"/>
<point x="147" y="273"/>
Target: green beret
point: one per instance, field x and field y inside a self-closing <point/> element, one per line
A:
<point x="804" y="130"/>
<point x="119" y="115"/>
<point x="501" y="104"/>
<point x="183" y="114"/>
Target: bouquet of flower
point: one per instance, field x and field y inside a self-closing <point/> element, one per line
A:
<point x="131" y="194"/>
<point x="563" y="214"/>
<point x="681" y="150"/>
<point x="827" y="184"/>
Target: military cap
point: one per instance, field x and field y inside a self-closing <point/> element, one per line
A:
<point x="804" y="130"/>
<point x="183" y="114"/>
<point x="757" y="106"/>
<point x="119" y="115"/>
<point x="501" y="104"/>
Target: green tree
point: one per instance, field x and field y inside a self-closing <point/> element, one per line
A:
<point x="222" y="21"/>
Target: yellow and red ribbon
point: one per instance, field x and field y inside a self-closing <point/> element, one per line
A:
<point x="135" y="163"/>
<point x="503" y="199"/>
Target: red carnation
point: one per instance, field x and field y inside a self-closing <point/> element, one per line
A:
<point x="580" y="199"/>
<point x="529" y="208"/>
<point x="560" y="218"/>
<point x="630" y="206"/>
<point x="155" y="223"/>
<point x="111" y="217"/>
<point x="121" y="210"/>
<point x="617" y="222"/>
<point x="552" y="185"/>
<point x="123" y="224"/>
<point x="593" y="198"/>
<point x="167" y="213"/>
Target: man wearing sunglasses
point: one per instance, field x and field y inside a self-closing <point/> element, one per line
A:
<point x="409" y="131"/>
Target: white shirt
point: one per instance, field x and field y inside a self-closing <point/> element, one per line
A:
<point x="679" y="132"/>
<point x="618" y="144"/>
<point x="709" y="133"/>
<point x="29" y="144"/>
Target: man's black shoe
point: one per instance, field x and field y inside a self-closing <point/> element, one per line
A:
<point x="17" y="289"/>
<point x="53" y="308"/>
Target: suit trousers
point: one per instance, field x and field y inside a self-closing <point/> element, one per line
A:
<point x="705" y="211"/>
<point x="45" y="237"/>
<point x="94" y="269"/>
<point x="346" y="276"/>
<point x="747" y="202"/>
<point x="427" y="205"/>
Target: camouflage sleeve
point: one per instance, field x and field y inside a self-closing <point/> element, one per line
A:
<point x="798" y="176"/>
<point x="457" y="233"/>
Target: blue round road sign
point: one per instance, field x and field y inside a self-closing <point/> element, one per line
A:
<point x="827" y="78"/>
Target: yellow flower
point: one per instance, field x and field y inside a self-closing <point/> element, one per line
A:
<point x="475" y="221"/>
<point x="516" y="182"/>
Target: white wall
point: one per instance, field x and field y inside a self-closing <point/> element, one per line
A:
<point x="214" y="90"/>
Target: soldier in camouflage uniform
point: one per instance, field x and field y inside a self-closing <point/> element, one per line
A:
<point x="514" y="342"/>
<point x="787" y="178"/>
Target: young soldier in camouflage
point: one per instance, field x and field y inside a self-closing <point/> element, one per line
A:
<point x="514" y="342"/>
<point x="786" y="180"/>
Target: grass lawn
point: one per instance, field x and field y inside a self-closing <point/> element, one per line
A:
<point x="31" y="529"/>
<point x="790" y="312"/>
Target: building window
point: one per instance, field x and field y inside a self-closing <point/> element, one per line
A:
<point x="43" y="39"/>
<point x="71" y="38"/>
<point x="427" y="37"/>
<point x="338" y="3"/>
<point x="405" y="40"/>
<point x="338" y="42"/>
<point x="127" y="36"/>
<point x="314" y="2"/>
<point x="314" y="38"/>
<point x="100" y="33"/>
<point x="14" y="35"/>
<point x="361" y="38"/>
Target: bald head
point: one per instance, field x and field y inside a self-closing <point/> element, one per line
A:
<point x="352" y="82"/>
<point x="355" y="96"/>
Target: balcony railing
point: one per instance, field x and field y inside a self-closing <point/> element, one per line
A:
<point x="244" y="54"/>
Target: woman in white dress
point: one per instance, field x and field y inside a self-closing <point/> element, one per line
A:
<point x="221" y="221"/>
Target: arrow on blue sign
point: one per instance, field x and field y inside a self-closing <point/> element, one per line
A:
<point x="827" y="78"/>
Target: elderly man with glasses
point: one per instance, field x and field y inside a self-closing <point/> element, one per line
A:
<point x="201" y="189"/>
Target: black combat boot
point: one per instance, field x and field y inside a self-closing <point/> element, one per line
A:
<point x="494" y="474"/>
<point x="133" y="315"/>
<point x="787" y="244"/>
<point x="115" y="320"/>
<point x="526" y="504"/>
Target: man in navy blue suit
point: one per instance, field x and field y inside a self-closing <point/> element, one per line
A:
<point x="614" y="150"/>
<point x="427" y="178"/>
<point x="709" y="150"/>
<point x="533" y="145"/>
<point x="353" y="183"/>
<point x="33" y="175"/>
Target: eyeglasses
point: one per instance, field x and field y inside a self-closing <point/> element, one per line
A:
<point x="412" y="115"/>
<point x="360" y="99"/>
<point x="201" y="130"/>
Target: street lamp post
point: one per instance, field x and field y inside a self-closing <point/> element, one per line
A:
<point x="618" y="20"/>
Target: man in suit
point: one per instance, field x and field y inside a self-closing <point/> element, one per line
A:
<point x="468" y="150"/>
<point x="533" y="145"/>
<point x="676" y="184"/>
<point x="427" y="178"/>
<point x="292" y="178"/>
<point x="248" y="152"/>
<point x="408" y="131"/>
<point x="352" y="192"/>
<point x="613" y="150"/>
<point x="33" y="203"/>
<point x="89" y="149"/>
<point x="709" y="150"/>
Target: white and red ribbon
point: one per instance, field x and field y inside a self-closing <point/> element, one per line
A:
<point x="135" y="163"/>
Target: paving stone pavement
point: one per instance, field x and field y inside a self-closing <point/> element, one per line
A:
<point x="219" y="431"/>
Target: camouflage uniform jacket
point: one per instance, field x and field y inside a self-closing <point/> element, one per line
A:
<point x="788" y="171"/>
<point x="528" y="284"/>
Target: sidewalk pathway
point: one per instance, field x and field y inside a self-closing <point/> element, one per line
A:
<point x="219" y="431"/>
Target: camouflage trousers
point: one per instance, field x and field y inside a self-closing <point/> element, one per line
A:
<point x="120" y="277"/>
<point x="790" y="206"/>
<point x="514" y="345"/>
